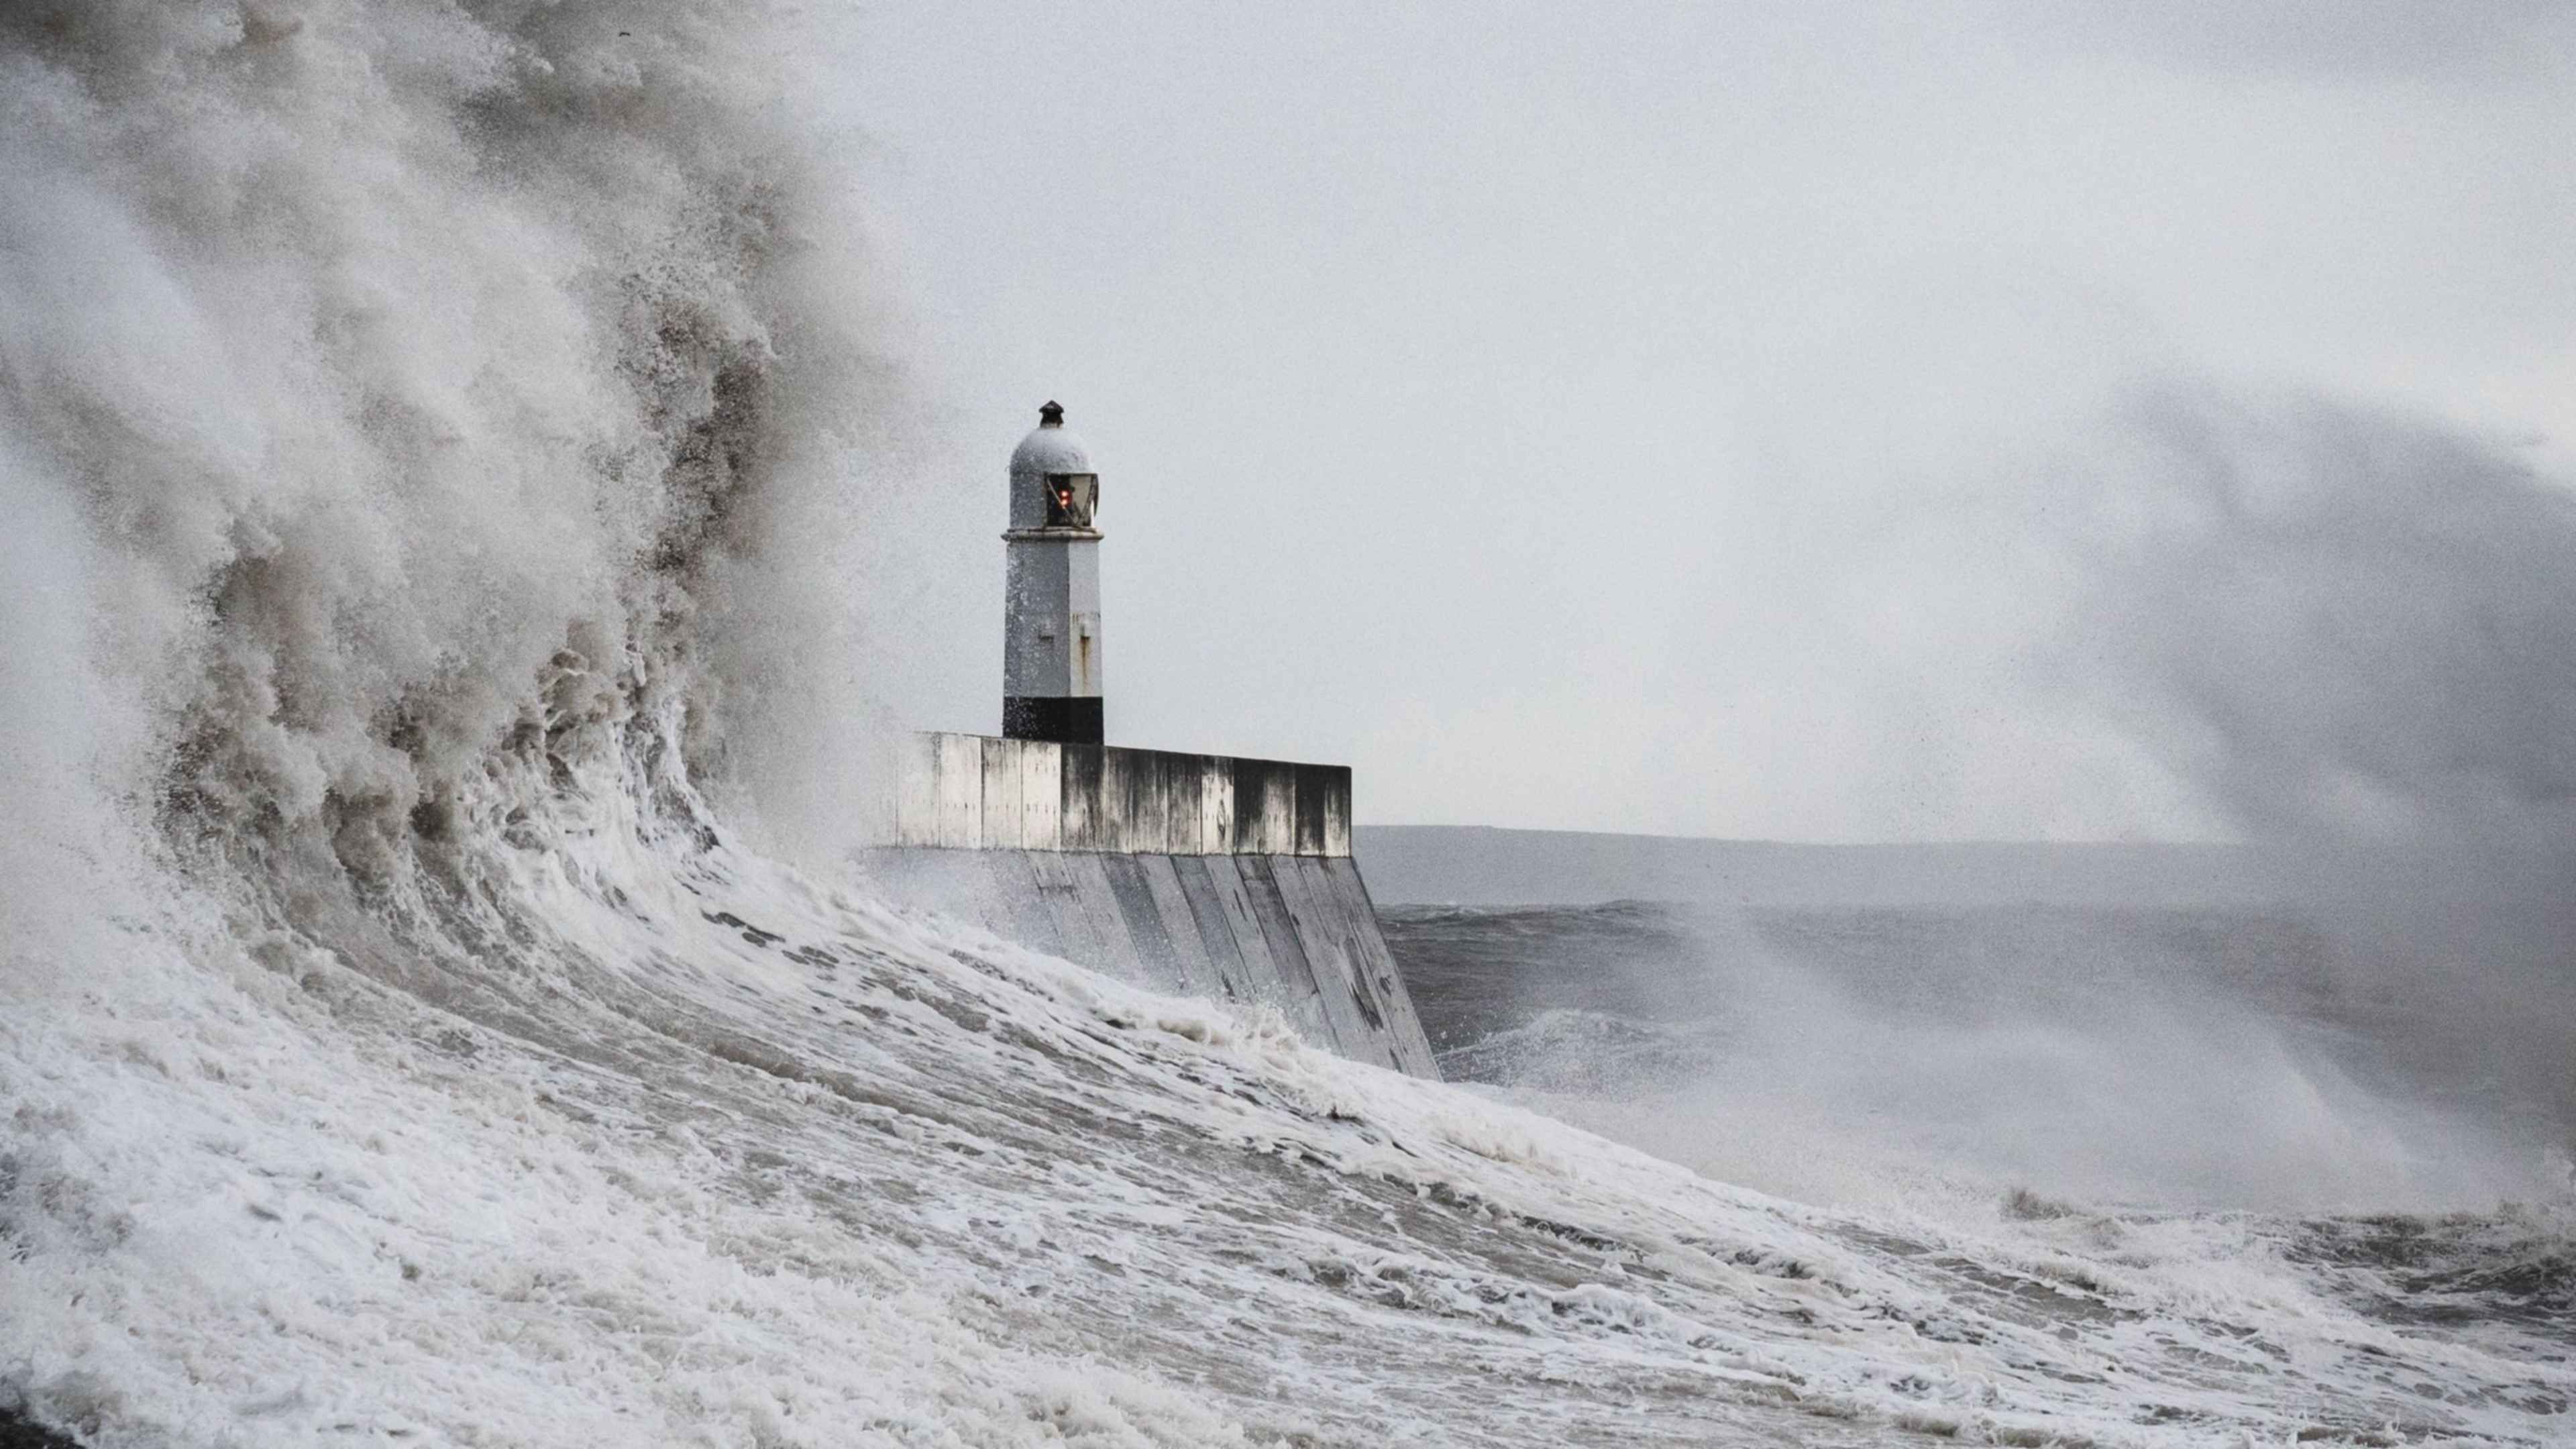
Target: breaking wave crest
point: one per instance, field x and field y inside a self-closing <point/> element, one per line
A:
<point x="399" y="395"/>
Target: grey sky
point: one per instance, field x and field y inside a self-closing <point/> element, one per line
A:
<point x="1647" y="417"/>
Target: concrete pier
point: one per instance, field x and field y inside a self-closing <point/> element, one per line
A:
<point x="1198" y="875"/>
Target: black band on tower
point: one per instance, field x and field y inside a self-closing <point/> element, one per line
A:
<point x="1065" y="721"/>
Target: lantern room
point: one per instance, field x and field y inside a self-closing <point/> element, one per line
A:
<point x="1053" y="484"/>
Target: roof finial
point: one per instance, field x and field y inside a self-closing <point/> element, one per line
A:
<point x="1051" y="415"/>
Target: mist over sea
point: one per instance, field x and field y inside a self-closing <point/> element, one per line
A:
<point x="2179" y="1026"/>
<point x="2153" y="1057"/>
<point x="2375" y="1085"/>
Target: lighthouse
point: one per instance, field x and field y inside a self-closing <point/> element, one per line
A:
<point x="1051" y="590"/>
<point x="1189" y="874"/>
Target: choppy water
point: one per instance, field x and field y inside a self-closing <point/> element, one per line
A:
<point x="2391" y="1127"/>
<point x="1949" y="1013"/>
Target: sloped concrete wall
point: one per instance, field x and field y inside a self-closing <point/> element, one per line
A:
<point x="1199" y="875"/>
<point x="1296" y="931"/>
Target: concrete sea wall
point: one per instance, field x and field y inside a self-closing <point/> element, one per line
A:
<point x="976" y="792"/>
<point x="1196" y="875"/>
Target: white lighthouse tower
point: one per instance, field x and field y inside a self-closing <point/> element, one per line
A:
<point x="1051" y="590"/>
<point x="1183" y="873"/>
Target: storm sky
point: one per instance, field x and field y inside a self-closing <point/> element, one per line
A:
<point x="1789" y="420"/>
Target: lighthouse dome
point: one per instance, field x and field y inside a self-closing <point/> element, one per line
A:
<point x="1050" y="447"/>
<point x="1050" y="452"/>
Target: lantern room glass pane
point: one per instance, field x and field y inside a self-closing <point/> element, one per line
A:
<point x="1071" y="499"/>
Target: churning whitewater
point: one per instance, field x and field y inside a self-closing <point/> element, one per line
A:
<point x="433" y="1014"/>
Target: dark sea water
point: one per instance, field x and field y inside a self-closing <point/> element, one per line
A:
<point x="2207" y="1057"/>
<point x="2393" y="1105"/>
